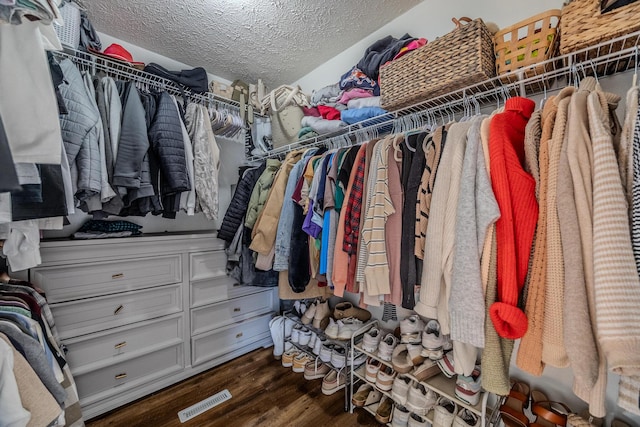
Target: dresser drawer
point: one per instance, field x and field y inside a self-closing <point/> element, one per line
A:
<point x="67" y="282"/>
<point x="217" y="315"/>
<point x="97" y="314"/>
<point x="221" y="341"/>
<point x="212" y="290"/>
<point x="207" y="265"/>
<point x="89" y="353"/>
<point x="117" y="378"/>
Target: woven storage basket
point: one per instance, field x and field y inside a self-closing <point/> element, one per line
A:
<point x="456" y="60"/>
<point x="583" y="25"/>
<point x="69" y="33"/>
<point x="527" y="42"/>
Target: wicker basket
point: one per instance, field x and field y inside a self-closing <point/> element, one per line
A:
<point x="69" y="33"/>
<point x="456" y="60"/>
<point x="583" y="24"/>
<point x="527" y="42"/>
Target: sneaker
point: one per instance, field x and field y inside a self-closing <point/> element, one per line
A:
<point x="444" y="413"/>
<point x="420" y="400"/>
<point x="287" y="358"/>
<point x="383" y="413"/>
<point x="321" y="316"/>
<point x="300" y="361"/>
<point x="415" y="354"/>
<point x="360" y="396"/>
<point x="312" y="340"/>
<point x="332" y="328"/>
<point x="386" y="346"/>
<point x="370" y="340"/>
<point x="315" y="369"/>
<point x="400" y="389"/>
<point x="295" y="334"/>
<point x="426" y="370"/>
<point x="317" y="346"/>
<point x="338" y="358"/>
<point x="348" y="327"/>
<point x="333" y="382"/>
<point x="400" y="416"/>
<point x="384" y="380"/>
<point x="371" y="371"/>
<point x="446" y="365"/>
<point x="411" y="330"/>
<point x="289" y="324"/>
<point x="296" y="308"/>
<point x="358" y="360"/>
<point x="416" y="420"/>
<point x="325" y="352"/>
<point x="308" y="315"/>
<point x="432" y="341"/>
<point x="304" y="336"/>
<point x="466" y="418"/>
<point x="345" y="309"/>
<point x="277" y="335"/>
<point x="447" y="344"/>
<point x="468" y="387"/>
<point x="400" y="359"/>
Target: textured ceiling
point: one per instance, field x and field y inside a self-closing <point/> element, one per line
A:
<point x="277" y="40"/>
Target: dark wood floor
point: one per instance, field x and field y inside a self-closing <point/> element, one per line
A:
<point x="264" y="394"/>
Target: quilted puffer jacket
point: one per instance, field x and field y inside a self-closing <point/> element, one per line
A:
<point x="239" y="203"/>
<point x="165" y="137"/>
<point x="80" y="133"/>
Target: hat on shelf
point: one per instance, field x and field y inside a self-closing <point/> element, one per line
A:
<point x="119" y="53"/>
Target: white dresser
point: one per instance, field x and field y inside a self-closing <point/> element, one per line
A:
<point x="141" y="313"/>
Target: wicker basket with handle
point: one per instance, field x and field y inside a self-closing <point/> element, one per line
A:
<point x="528" y="42"/>
<point x="584" y="25"/>
<point x="458" y="59"/>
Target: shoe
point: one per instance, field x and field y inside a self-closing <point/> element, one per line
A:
<point x="296" y="309"/>
<point x="360" y="396"/>
<point x="373" y="398"/>
<point x="411" y="330"/>
<point x="332" y="329"/>
<point x="345" y="309"/>
<point x="512" y="410"/>
<point x="304" y="336"/>
<point x="426" y="370"/>
<point x="300" y="361"/>
<point x="277" y="335"/>
<point x="321" y="316"/>
<point x="446" y="365"/>
<point x="317" y="346"/>
<point x="308" y="315"/>
<point x="384" y="380"/>
<point x="400" y="389"/>
<point x="371" y="371"/>
<point x="386" y="346"/>
<point x="333" y="382"/>
<point x="325" y="353"/>
<point x="420" y="400"/>
<point x="358" y="360"/>
<point x="547" y="412"/>
<point x="416" y="420"/>
<point x="348" y="327"/>
<point x="315" y="369"/>
<point x="447" y="344"/>
<point x="466" y="418"/>
<point x="312" y="340"/>
<point x="287" y="358"/>
<point x="415" y="354"/>
<point x="400" y="359"/>
<point x="400" y="416"/>
<point x="468" y="387"/>
<point x="444" y="413"/>
<point x="370" y="340"/>
<point x="295" y="334"/>
<point x="338" y="358"/>
<point x="383" y="413"/>
<point x="288" y="327"/>
<point x="432" y="340"/>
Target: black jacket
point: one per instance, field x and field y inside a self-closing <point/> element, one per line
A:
<point x="380" y="52"/>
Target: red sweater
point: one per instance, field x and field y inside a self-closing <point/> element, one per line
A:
<point x="515" y="193"/>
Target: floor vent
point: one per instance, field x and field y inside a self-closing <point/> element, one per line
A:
<point x="204" y="405"/>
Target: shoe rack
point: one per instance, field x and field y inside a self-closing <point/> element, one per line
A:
<point x="440" y="384"/>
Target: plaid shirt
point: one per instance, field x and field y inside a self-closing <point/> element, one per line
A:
<point x="354" y="208"/>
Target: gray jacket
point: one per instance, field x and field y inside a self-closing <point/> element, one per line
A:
<point x="80" y="131"/>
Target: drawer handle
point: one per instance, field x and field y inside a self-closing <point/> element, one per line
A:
<point x="237" y="309"/>
<point x="239" y="335"/>
<point x="235" y="285"/>
<point x="117" y="276"/>
<point x="118" y="310"/>
<point x="121" y="376"/>
<point x="120" y="345"/>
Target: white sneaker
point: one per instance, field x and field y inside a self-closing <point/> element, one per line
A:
<point x="400" y="389"/>
<point x="277" y="335"/>
<point x="295" y="334"/>
<point x="444" y="413"/>
<point x="370" y="340"/>
<point x="333" y="329"/>
<point x="468" y="387"/>
<point x="447" y="365"/>
<point x="386" y="346"/>
<point x="317" y="346"/>
<point x="304" y="337"/>
<point x="466" y="418"/>
<point x="432" y="341"/>
<point x="400" y="417"/>
<point x="312" y="340"/>
<point x="416" y="420"/>
<point x="338" y="357"/>
<point x="348" y="327"/>
<point x="325" y="352"/>
<point x="358" y="360"/>
<point x="411" y="330"/>
<point x="420" y="400"/>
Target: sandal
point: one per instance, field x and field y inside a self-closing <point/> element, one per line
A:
<point x="548" y="413"/>
<point x="512" y="410"/>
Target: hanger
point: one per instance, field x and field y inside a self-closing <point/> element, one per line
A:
<point x="595" y="72"/>
<point x="544" y="99"/>
<point x="634" y="81"/>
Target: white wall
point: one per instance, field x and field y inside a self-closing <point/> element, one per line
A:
<point x="429" y="19"/>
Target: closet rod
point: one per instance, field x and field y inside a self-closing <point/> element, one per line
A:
<point x="123" y="71"/>
<point x="606" y="58"/>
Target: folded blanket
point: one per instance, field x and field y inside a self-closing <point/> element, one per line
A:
<point x="355" y="93"/>
<point x="360" y="114"/>
<point x="373" y="101"/>
<point x="327" y="94"/>
<point x="322" y="126"/>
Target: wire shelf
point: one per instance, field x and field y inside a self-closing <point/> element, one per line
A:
<point x="604" y="59"/>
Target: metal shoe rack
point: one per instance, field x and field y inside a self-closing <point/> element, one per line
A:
<point x="440" y="384"/>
